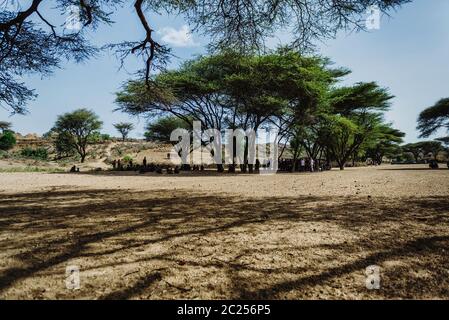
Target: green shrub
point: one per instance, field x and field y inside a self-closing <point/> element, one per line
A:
<point x="4" y="154"/>
<point x="7" y="140"/>
<point x="38" y="153"/>
<point x="105" y="137"/>
<point x="127" y="159"/>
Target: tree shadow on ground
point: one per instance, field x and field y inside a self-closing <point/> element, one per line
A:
<point x="415" y="169"/>
<point x="163" y="244"/>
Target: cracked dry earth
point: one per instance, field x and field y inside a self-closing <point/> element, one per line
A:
<point x="210" y="236"/>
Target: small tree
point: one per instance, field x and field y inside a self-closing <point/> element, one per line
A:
<point x="4" y="126"/>
<point x="161" y="129"/>
<point x="341" y="135"/>
<point x="124" y="128"/>
<point x="76" y="128"/>
<point x="7" y="140"/>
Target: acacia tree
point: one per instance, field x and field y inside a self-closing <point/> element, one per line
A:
<point x="434" y="118"/>
<point x="355" y="112"/>
<point x="340" y="134"/>
<point x="31" y="43"/>
<point x="431" y="147"/>
<point x="384" y="142"/>
<point x="7" y="138"/>
<point x="277" y="89"/>
<point x="4" y="125"/>
<point x="413" y="148"/>
<point x="161" y="129"/>
<point x="239" y="91"/>
<point x="76" y="128"/>
<point x="124" y="129"/>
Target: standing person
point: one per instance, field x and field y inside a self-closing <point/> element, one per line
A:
<point x="144" y="162"/>
<point x="312" y="163"/>
<point x="302" y="165"/>
<point x="114" y="164"/>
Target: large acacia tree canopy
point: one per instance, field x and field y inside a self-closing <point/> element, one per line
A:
<point x="31" y="43"/>
<point x="230" y="89"/>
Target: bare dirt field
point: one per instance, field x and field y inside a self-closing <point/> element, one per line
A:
<point x="284" y="236"/>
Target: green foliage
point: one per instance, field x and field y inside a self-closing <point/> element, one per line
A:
<point x="161" y="129"/>
<point x="384" y="142"/>
<point x="127" y="159"/>
<point x="105" y="137"/>
<point x="64" y="145"/>
<point x="434" y="118"/>
<point x="98" y="137"/>
<point x="76" y="130"/>
<point x="7" y="140"/>
<point x="364" y="96"/>
<point x="414" y="148"/>
<point x="38" y="153"/>
<point x="360" y="123"/>
<point x="407" y="157"/>
<point x="444" y="140"/>
<point x="4" y="126"/>
<point x="283" y="89"/>
<point x="124" y="128"/>
<point x="422" y="149"/>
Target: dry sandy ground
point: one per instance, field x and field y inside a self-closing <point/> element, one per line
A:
<point x="285" y="236"/>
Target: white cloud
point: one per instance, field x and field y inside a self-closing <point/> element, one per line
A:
<point x="177" y="38"/>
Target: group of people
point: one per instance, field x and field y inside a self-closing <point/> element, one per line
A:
<point x="287" y="165"/>
<point x="302" y="165"/>
<point x="118" y="165"/>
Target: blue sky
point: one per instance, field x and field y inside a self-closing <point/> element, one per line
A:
<point x="408" y="54"/>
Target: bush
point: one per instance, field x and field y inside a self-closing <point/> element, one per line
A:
<point x="105" y="137"/>
<point x="38" y="153"/>
<point x="4" y="154"/>
<point x="127" y="159"/>
<point x="7" y="140"/>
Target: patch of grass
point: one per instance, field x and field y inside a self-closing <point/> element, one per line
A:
<point x="31" y="169"/>
<point x="38" y="153"/>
